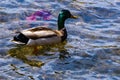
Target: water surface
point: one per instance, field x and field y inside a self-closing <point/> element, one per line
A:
<point x="91" y="52"/>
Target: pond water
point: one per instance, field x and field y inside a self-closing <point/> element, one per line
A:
<point x="91" y="52"/>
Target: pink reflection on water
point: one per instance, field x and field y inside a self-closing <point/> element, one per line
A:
<point x="42" y="14"/>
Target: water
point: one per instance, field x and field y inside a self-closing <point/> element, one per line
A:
<point x="91" y="51"/>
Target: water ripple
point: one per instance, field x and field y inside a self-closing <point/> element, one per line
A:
<point x="90" y="52"/>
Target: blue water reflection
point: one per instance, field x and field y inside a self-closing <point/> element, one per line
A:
<point x="91" y="51"/>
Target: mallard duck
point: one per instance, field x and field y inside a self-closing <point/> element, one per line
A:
<point x="43" y="35"/>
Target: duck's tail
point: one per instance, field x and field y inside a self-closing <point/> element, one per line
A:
<point x="20" y="39"/>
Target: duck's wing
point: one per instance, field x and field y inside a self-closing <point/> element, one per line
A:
<point x="39" y="32"/>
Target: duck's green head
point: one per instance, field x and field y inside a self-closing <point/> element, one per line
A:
<point x="63" y="15"/>
<point x="66" y="14"/>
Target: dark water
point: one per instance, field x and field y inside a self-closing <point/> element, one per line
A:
<point x="91" y="52"/>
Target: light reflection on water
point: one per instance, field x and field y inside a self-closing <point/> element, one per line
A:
<point x="90" y="53"/>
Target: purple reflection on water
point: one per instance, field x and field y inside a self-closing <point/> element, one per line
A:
<point x="39" y="14"/>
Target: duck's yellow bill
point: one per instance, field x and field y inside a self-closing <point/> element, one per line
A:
<point x="75" y="17"/>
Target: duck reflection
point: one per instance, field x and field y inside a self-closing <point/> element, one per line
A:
<point x="24" y="52"/>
